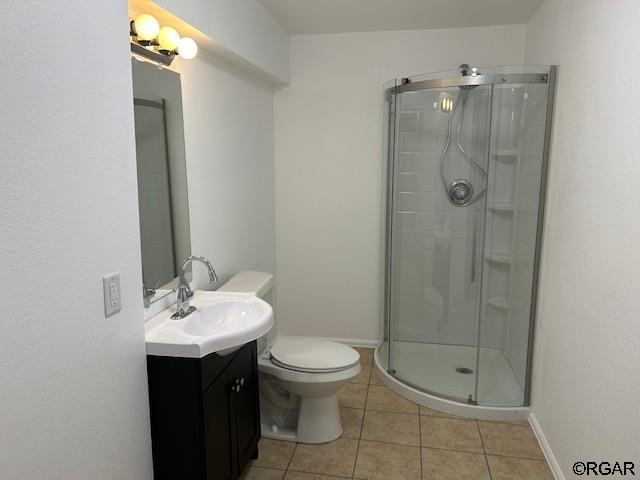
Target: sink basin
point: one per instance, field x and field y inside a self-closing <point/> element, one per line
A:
<point x="221" y="322"/>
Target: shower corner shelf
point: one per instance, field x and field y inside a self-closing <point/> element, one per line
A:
<point x="501" y="207"/>
<point x="498" y="257"/>
<point x="498" y="302"/>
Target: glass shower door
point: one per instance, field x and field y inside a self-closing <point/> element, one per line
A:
<point x="438" y="179"/>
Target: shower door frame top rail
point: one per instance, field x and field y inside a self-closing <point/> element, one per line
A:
<point x="491" y="79"/>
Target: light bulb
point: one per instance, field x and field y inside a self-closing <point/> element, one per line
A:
<point x="168" y="38"/>
<point x="146" y="26"/>
<point x="187" y="48"/>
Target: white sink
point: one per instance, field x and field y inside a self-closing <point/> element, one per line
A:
<point x="221" y="323"/>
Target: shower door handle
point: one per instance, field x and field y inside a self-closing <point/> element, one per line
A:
<point x="474" y="244"/>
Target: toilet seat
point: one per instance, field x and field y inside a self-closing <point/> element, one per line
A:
<point x="311" y="355"/>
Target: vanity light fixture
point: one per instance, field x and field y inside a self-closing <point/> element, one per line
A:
<point x="160" y="45"/>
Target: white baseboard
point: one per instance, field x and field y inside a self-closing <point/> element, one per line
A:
<point x="356" y="342"/>
<point x="352" y="342"/>
<point x="546" y="448"/>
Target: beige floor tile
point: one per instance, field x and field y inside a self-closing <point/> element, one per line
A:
<point x="506" y="468"/>
<point x="274" y="454"/>
<point x="258" y="473"/>
<point x="450" y="433"/>
<point x="363" y="376"/>
<point x="375" y="377"/>
<point x="398" y="428"/>
<point x="334" y="458"/>
<point x="352" y="395"/>
<point x="384" y="399"/>
<point x="351" y="422"/>
<point x="512" y="440"/>
<point x="387" y="462"/>
<point x="308" y="476"/>
<point x="449" y="464"/>
<point x="366" y="355"/>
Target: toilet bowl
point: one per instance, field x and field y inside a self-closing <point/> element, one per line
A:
<point x="299" y="376"/>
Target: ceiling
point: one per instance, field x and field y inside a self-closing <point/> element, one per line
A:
<point x="337" y="16"/>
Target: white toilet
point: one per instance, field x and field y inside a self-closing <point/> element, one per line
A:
<point x="299" y="376"/>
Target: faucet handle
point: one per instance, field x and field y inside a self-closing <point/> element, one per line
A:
<point x="184" y="292"/>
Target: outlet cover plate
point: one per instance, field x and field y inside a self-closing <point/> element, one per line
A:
<point x="111" y="289"/>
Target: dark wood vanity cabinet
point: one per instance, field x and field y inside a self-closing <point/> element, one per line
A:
<point x="205" y="415"/>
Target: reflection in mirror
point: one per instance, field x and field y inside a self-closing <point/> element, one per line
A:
<point x="162" y="181"/>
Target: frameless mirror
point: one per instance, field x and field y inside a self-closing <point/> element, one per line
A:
<point x="162" y="178"/>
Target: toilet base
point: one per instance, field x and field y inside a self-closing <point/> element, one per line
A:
<point x="318" y="422"/>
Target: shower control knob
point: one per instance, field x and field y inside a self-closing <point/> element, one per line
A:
<point x="460" y="192"/>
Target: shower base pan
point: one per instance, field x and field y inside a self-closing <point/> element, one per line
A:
<point x="437" y="368"/>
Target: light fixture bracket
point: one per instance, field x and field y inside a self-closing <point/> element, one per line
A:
<point x="157" y="57"/>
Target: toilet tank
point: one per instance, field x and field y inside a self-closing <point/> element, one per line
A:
<point x="259" y="284"/>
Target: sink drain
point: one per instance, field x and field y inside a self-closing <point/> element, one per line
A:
<point x="464" y="370"/>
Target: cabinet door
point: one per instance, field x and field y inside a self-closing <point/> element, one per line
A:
<point x="219" y="428"/>
<point x="245" y="368"/>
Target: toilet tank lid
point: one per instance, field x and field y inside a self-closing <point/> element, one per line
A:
<point x="258" y="283"/>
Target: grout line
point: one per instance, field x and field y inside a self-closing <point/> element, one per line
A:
<point x="391" y="412"/>
<point x="291" y="459"/>
<point x="486" y="460"/>
<point x="420" y="443"/>
<point x="514" y="456"/>
<point x="318" y="474"/>
<point x="421" y="446"/>
<point x="364" y="413"/>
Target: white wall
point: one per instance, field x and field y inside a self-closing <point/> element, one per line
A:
<point x="329" y="169"/>
<point x="228" y="124"/>
<point x="243" y="29"/>
<point x="73" y="385"/>
<point x="585" y="384"/>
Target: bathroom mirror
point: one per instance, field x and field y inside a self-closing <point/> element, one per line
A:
<point x="162" y="178"/>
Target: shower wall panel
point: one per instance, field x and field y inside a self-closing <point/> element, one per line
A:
<point x="433" y="303"/>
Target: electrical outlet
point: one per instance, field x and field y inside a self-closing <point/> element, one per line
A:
<point x="111" y="288"/>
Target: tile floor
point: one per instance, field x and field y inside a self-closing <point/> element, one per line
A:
<point x="387" y="437"/>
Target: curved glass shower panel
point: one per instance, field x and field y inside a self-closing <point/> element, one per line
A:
<point x="519" y="121"/>
<point x="437" y="215"/>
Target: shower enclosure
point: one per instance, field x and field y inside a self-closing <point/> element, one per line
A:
<point x="467" y="157"/>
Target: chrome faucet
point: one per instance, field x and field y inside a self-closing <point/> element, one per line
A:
<point x="184" y="290"/>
